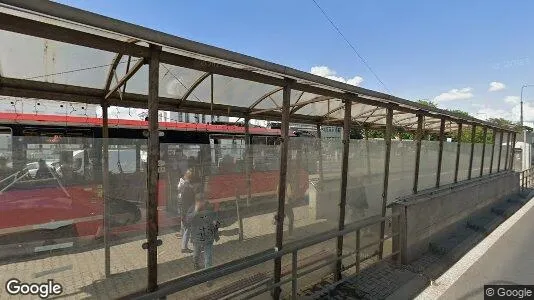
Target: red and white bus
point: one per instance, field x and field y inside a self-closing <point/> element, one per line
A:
<point x="51" y="176"/>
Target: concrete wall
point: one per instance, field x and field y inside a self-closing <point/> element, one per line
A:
<point x="428" y="216"/>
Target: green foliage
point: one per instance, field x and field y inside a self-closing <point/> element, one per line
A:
<point x="428" y="103"/>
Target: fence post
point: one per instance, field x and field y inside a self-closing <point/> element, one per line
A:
<point x="457" y="165"/>
<point x="440" y="150"/>
<point x="512" y="152"/>
<point x="105" y="187"/>
<point x="320" y="151"/>
<point x="344" y="174"/>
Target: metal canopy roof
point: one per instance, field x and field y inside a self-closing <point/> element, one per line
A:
<point x="52" y="51"/>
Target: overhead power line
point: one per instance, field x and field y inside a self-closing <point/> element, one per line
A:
<point x="351" y="46"/>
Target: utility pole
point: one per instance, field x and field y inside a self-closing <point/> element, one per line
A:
<point x="522" y="126"/>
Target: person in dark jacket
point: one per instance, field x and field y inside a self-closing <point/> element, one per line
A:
<point x="186" y="196"/>
<point x="203" y="221"/>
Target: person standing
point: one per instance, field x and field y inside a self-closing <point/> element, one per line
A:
<point x="204" y="231"/>
<point x="186" y="196"/>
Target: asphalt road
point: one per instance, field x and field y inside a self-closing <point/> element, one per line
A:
<point x="509" y="261"/>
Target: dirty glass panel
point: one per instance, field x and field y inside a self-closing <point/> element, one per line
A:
<point x="54" y="208"/>
<point x="428" y="164"/>
<point x="401" y="169"/>
<point x="365" y="179"/>
<point x="448" y="162"/>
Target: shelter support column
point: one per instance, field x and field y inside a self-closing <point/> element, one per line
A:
<point x="484" y="135"/>
<point x="105" y="187"/>
<point x="343" y="189"/>
<point x="418" y="137"/>
<point x="458" y="151"/>
<point x="500" y="152"/>
<point x="511" y="167"/>
<point x="494" y="137"/>
<point x="387" y="138"/>
<point x="440" y="151"/>
<point x="320" y="151"/>
<point x="473" y="131"/>
<point x="284" y="149"/>
<point x="507" y="151"/>
<point x="152" y="172"/>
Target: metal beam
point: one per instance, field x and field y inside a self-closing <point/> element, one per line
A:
<point x="343" y="187"/>
<point x="194" y="86"/>
<point x="387" y="138"/>
<point x="152" y="172"/>
<point x="458" y="151"/>
<point x="284" y="149"/>
<point x="325" y="116"/>
<point x="265" y="96"/>
<point x="313" y="100"/>
<point x="493" y="150"/>
<point x="484" y="136"/>
<point x="126" y="77"/>
<point x="473" y="131"/>
<point x="500" y="152"/>
<point x="440" y="151"/>
<point x="112" y="68"/>
<point x="418" y="138"/>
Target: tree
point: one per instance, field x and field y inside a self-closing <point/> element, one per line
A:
<point x="428" y="103"/>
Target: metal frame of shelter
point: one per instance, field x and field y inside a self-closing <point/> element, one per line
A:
<point x="341" y="104"/>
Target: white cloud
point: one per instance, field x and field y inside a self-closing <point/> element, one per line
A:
<point x="496" y="86"/>
<point x="325" y="71"/>
<point x="511" y="99"/>
<point x="455" y="94"/>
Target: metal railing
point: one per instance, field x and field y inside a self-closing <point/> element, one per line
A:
<point x="250" y="291"/>
<point x="526" y="178"/>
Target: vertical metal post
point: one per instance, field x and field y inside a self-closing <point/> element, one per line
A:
<point x="387" y="138"/>
<point x="320" y="151"/>
<point x="440" y="151"/>
<point x="152" y="172"/>
<point x="344" y="174"/>
<point x="247" y="160"/>
<point x="367" y="151"/>
<point x="500" y="152"/>
<point x="211" y="97"/>
<point x="511" y="167"/>
<point x="507" y="151"/>
<point x="484" y="135"/>
<point x="105" y="188"/>
<point x="284" y="148"/>
<point x="473" y="131"/>
<point x="493" y="149"/>
<point x="458" y="152"/>
<point x="418" y="138"/>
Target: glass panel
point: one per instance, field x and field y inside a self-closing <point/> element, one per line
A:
<point x="401" y="169"/>
<point x="365" y="179"/>
<point x="232" y="219"/>
<point x="53" y="212"/>
<point x="463" y="166"/>
<point x="487" y="158"/>
<point x="503" y="153"/>
<point x="428" y="164"/>
<point x="477" y="159"/>
<point x="448" y="163"/>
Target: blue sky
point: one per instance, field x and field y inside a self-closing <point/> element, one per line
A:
<point x="419" y="49"/>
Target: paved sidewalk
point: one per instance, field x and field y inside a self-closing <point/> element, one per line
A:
<point x="504" y="257"/>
